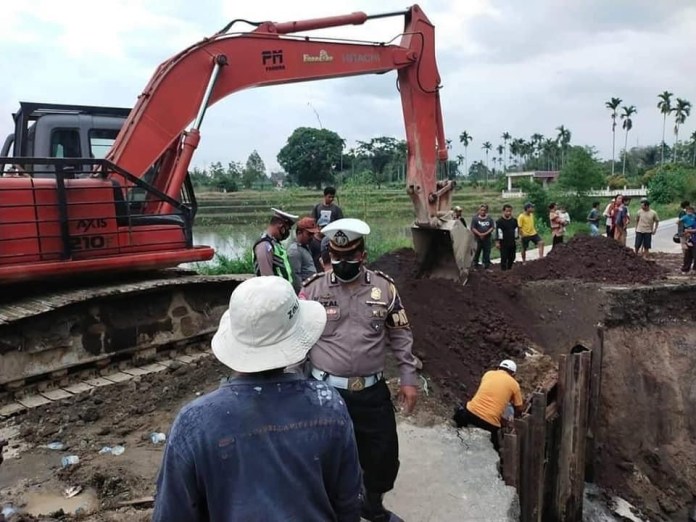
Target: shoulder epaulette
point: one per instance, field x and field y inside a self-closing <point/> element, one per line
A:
<point x="385" y="276"/>
<point x="312" y="278"/>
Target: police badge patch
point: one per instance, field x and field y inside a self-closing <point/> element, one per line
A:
<point x="376" y="294"/>
<point x="340" y="238"/>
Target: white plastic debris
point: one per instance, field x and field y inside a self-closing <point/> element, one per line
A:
<point x="157" y="438"/>
<point x="70" y="460"/>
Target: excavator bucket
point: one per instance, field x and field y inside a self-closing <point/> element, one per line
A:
<point x="444" y="252"/>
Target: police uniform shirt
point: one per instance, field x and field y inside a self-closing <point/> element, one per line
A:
<point x="363" y="317"/>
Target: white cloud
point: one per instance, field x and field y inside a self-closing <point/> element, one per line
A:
<point x="505" y="66"/>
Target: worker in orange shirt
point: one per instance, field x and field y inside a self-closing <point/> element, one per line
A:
<point x="498" y="388"/>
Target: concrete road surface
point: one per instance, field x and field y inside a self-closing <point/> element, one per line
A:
<point x="449" y="474"/>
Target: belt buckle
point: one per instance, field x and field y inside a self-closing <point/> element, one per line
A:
<point x="356" y="383"/>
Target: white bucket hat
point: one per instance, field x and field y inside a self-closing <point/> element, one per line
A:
<point x="267" y="326"/>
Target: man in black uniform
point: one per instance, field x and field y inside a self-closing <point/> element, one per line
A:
<point x="507" y="232"/>
<point x="364" y="318"/>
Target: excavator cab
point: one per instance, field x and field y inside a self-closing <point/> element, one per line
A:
<point x="445" y="251"/>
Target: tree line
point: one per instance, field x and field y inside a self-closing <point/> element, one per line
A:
<point x="314" y="157"/>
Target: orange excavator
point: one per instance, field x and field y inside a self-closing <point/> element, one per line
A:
<point x="69" y="220"/>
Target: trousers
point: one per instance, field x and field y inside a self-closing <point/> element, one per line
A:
<point x="483" y="245"/>
<point x="463" y="417"/>
<point x="507" y="256"/>
<point x="374" y="423"/>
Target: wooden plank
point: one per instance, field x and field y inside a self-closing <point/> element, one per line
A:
<point x="534" y="456"/>
<point x="521" y="428"/>
<point x="567" y="504"/>
<point x="595" y="401"/>
<point x="511" y="458"/>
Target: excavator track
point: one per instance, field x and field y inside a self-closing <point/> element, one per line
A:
<point x="59" y="340"/>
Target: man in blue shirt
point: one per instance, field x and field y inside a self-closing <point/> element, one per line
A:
<point x="267" y="445"/>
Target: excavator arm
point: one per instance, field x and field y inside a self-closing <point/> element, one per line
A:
<point x="154" y="140"/>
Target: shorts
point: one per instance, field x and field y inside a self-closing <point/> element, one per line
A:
<point x="526" y="239"/>
<point x="644" y="239"/>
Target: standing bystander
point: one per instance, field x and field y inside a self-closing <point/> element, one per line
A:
<point x="528" y="231"/>
<point x="609" y="215"/>
<point x="680" y="225"/>
<point x="593" y="219"/>
<point x="620" y="219"/>
<point x="688" y="222"/>
<point x="506" y="235"/>
<point x="482" y="226"/>
<point x="646" y="226"/>
<point x="300" y="257"/>
<point x="266" y="445"/>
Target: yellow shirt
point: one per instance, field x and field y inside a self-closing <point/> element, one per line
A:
<point x="526" y="224"/>
<point x="496" y="390"/>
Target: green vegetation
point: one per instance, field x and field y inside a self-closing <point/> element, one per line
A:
<point x="228" y="265"/>
<point x="376" y="247"/>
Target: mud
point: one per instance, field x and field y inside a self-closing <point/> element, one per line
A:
<point x="460" y="331"/>
<point x="592" y="259"/>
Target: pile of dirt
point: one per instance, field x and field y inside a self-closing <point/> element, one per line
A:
<point x="460" y="331"/>
<point x="596" y="259"/>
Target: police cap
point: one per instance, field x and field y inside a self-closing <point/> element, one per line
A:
<point x="346" y="234"/>
<point x="285" y="216"/>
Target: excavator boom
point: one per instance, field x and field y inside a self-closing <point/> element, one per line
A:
<point x="155" y="141"/>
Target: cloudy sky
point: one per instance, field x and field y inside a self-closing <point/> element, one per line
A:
<point x="506" y="65"/>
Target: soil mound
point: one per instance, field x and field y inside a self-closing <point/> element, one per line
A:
<point x="587" y="258"/>
<point x="459" y="331"/>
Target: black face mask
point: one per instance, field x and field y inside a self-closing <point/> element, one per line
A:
<point x="284" y="233"/>
<point x="346" y="271"/>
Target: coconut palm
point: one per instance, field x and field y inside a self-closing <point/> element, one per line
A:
<point x="612" y="105"/>
<point x="627" y="126"/>
<point x="487" y="147"/>
<point x="681" y="111"/>
<point x="665" y="106"/>
<point x="536" y="140"/>
<point x="563" y="140"/>
<point x="460" y="160"/>
<point x="506" y="137"/>
<point x="465" y="138"/>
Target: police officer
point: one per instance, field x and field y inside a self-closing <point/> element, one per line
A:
<point x="365" y="315"/>
<point x="270" y="256"/>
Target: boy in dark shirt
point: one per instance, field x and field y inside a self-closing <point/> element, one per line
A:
<point x="506" y="236"/>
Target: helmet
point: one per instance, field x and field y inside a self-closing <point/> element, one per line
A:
<point x="508" y="365"/>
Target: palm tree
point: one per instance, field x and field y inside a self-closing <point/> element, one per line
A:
<point x="681" y="111"/>
<point x="563" y="140"/>
<point x="627" y="126"/>
<point x="506" y="137"/>
<point x="465" y="138"/>
<point x="487" y="147"/>
<point x="665" y="106"/>
<point x="536" y="140"/>
<point x="516" y="150"/>
<point x="460" y="160"/>
<point x="613" y="104"/>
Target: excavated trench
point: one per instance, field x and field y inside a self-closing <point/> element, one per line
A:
<point x="634" y="314"/>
